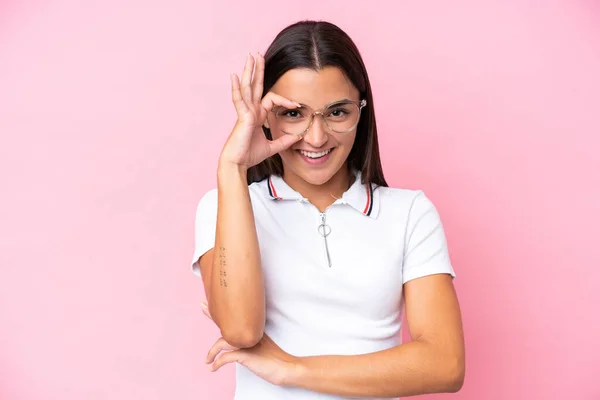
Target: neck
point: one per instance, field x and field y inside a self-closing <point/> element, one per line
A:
<point x="322" y="196"/>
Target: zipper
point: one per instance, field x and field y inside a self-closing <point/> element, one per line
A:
<point x="325" y="230"/>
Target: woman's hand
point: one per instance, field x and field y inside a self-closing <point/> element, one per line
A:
<point x="266" y="359"/>
<point x="247" y="144"/>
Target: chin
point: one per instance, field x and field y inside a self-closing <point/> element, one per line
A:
<point x="311" y="175"/>
<point x="316" y="178"/>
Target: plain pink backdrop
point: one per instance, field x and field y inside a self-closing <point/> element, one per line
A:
<point x="112" y="116"/>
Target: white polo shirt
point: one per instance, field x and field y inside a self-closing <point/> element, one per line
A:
<point x="334" y="295"/>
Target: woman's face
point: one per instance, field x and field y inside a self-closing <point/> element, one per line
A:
<point x="322" y="152"/>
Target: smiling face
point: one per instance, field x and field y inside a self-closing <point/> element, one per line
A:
<point x="322" y="153"/>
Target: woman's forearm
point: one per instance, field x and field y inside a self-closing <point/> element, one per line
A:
<point x="237" y="297"/>
<point x="412" y="368"/>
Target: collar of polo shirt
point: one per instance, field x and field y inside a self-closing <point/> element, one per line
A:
<point x="363" y="198"/>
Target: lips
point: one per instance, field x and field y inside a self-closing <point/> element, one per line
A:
<point x="315" y="158"/>
<point x="313" y="154"/>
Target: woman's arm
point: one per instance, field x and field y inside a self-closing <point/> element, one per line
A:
<point x="433" y="362"/>
<point x="232" y="272"/>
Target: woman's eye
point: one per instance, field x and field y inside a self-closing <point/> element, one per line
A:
<point x="291" y="114"/>
<point x="338" y="112"/>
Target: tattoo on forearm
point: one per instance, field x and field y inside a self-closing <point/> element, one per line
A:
<point x="222" y="267"/>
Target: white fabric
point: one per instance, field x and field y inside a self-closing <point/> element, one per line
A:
<point x="352" y="307"/>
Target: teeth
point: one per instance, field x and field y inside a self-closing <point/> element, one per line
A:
<point x="310" y="154"/>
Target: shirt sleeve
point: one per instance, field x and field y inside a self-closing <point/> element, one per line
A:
<point x="204" y="228"/>
<point x="426" y="249"/>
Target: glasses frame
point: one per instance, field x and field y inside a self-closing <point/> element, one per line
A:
<point x="360" y="104"/>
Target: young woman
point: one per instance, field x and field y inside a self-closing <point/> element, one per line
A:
<point x="307" y="256"/>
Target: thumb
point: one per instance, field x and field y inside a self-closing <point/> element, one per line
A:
<point x="283" y="143"/>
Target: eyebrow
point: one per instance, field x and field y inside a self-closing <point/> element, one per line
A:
<point x="330" y="104"/>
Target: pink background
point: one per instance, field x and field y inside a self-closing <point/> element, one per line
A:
<point x="112" y="116"/>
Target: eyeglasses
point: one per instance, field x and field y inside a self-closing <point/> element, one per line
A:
<point x="341" y="117"/>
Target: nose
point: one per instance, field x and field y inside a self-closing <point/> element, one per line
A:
<point x="316" y="135"/>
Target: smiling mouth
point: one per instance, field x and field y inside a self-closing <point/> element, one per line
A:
<point x="315" y="155"/>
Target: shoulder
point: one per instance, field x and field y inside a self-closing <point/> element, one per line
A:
<point x="210" y="198"/>
<point x="403" y="199"/>
<point x="408" y="205"/>
<point x="206" y="207"/>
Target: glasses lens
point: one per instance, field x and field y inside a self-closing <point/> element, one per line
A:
<point x="293" y="121"/>
<point x="340" y="117"/>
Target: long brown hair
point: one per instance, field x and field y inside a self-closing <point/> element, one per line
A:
<point x="315" y="45"/>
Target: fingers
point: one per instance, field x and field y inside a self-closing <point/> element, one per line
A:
<point x="219" y="346"/>
<point x="236" y="95"/>
<point x="249" y="90"/>
<point x="285" y="141"/>
<point x="247" y="80"/>
<point x="259" y="76"/>
<point x="271" y="100"/>
<point x="233" y="354"/>
<point x="231" y="357"/>
<point x="215" y="350"/>
<point x="268" y="102"/>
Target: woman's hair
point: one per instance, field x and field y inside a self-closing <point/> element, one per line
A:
<point x="316" y="45"/>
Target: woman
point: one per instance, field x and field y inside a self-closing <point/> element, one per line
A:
<point x="307" y="256"/>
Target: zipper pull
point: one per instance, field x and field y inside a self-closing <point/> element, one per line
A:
<point x="325" y="230"/>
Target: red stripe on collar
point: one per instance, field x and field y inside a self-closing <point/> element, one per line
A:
<point x="369" y="200"/>
<point x="272" y="189"/>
